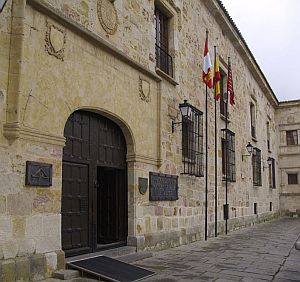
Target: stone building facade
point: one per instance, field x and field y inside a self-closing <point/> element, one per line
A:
<point x="288" y="121"/>
<point x="88" y="95"/>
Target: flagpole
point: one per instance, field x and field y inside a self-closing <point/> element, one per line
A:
<point x="216" y="159"/>
<point x="226" y="150"/>
<point x="206" y="151"/>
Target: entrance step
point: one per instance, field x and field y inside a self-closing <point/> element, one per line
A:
<point x="66" y="274"/>
<point x="112" y="253"/>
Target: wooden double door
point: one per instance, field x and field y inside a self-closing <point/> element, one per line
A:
<point x="94" y="189"/>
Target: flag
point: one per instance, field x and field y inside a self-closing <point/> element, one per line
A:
<point x="229" y="85"/>
<point x="206" y="73"/>
<point x="217" y="78"/>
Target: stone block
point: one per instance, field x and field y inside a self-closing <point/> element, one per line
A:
<point x="19" y="227"/>
<point x="22" y="269"/>
<point x="8" y="271"/>
<point x="34" y="226"/>
<point x="2" y="204"/>
<point x="19" y="204"/>
<point x="38" y="266"/>
<point x="48" y="244"/>
<point x="26" y="247"/>
<point x="159" y="211"/>
<point x="5" y="228"/>
<point x="10" y="249"/>
<point x="160" y="224"/>
<point x="52" y="225"/>
<point x="51" y="260"/>
<point x="60" y="259"/>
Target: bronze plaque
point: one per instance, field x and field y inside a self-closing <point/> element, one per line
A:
<point x="38" y="174"/>
<point x="163" y="187"/>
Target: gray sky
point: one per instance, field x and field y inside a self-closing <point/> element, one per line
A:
<point x="271" y="29"/>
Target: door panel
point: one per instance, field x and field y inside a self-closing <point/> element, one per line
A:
<point x="75" y="223"/>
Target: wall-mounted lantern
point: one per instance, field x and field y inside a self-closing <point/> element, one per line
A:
<point x="269" y="161"/>
<point x="249" y="148"/>
<point x="185" y="110"/>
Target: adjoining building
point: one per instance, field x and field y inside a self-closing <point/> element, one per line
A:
<point x="95" y="152"/>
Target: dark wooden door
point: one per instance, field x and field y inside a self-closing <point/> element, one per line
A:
<point x="93" y="142"/>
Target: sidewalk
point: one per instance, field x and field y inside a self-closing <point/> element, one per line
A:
<point x="264" y="252"/>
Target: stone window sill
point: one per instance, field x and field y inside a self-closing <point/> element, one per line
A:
<point x="166" y="76"/>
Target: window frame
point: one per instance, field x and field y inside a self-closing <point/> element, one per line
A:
<point x="164" y="61"/>
<point x="271" y="174"/>
<point x="256" y="167"/>
<point x="252" y="120"/>
<point x="290" y="180"/>
<point x="229" y="154"/>
<point x="289" y="139"/>
<point x="223" y="102"/>
<point x="268" y="136"/>
<point x="192" y="143"/>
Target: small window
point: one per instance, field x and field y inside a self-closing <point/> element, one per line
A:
<point x="192" y="143"/>
<point x="228" y="155"/>
<point x="164" y="60"/>
<point x="255" y="208"/>
<point x="252" y="120"/>
<point x="292" y="178"/>
<point x="256" y="167"/>
<point x="291" y="137"/>
<point x="272" y="183"/>
<point x="268" y="136"/>
<point x="271" y="206"/>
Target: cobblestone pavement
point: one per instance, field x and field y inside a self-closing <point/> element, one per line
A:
<point x="264" y="252"/>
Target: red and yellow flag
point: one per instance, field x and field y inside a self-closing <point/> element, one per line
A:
<point x="230" y="85"/>
<point x="206" y="72"/>
<point x="217" y="79"/>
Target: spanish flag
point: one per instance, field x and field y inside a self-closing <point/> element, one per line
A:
<point x="217" y="78"/>
<point x="206" y="72"/>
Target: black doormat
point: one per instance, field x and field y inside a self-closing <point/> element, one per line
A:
<point x="111" y="269"/>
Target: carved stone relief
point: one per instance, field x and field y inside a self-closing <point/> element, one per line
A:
<point x="107" y="15"/>
<point x="144" y="90"/>
<point x="55" y="41"/>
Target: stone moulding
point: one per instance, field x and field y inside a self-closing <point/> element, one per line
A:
<point x="16" y="131"/>
<point x="55" y="39"/>
<point x="107" y="15"/>
<point x="143" y="159"/>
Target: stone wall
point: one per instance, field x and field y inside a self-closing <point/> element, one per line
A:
<point x="64" y="58"/>
<point x="288" y="118"/>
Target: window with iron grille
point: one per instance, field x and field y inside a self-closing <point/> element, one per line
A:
<point x="292" y="178"/>
<point x="256" y="167"/>
<point x="228" y="155"/>
<point x="252" y="119"/>
<point x="192" y="143"/>
<point x="291" y="137"/>
<point x="272" y="183"/>
<point x="164" y="60"/>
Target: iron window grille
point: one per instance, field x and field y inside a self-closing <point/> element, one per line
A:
<point x="256" y="167"/>
<point x="272" y="182"/>
<point x="192" y="143"/>
<point x="228" y="155"/>
<point x="164" y="60"/>
<point x="291" y="137"/>
<point x="292" y="178"/>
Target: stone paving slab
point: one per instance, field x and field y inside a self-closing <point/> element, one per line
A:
<point x="264" y="252"/>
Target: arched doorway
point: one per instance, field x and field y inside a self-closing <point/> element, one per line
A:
<point x="94" y="185"/>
